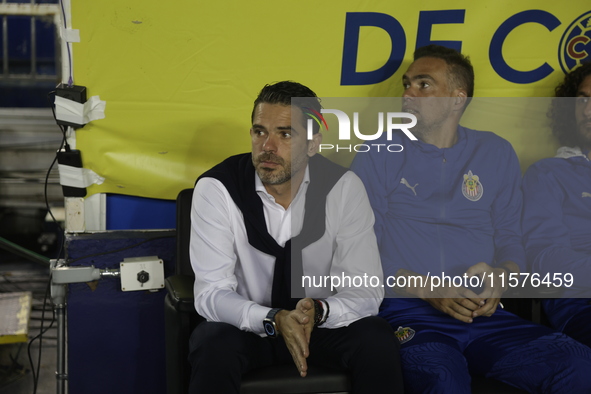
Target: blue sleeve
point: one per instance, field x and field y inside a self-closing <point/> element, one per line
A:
<point x="506" y="212"/>
<point x="372" y="169"/>
<point x="546" y="237"/>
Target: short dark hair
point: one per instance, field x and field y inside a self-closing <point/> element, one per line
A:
<point x="562" y="109"/>
<point x="460" y="68"/>
<point x="282" y="93"/>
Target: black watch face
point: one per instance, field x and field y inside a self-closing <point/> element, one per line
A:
<point x="269" y="328"/>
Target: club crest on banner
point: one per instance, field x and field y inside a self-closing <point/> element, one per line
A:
<point x="575" y="45"/>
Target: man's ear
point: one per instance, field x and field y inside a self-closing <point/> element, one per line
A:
<point x="314" y="144"/>
<point x="460" y="97"/>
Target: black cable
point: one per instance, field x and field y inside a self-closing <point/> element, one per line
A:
<point x="70" y="79"/>
<point x="61" y="231"/>
<point x="67" y="147"/>
<point x="40" y="337"/>
<point x="64" y="143"/>
<point x="50" y="338"/>
<point x="61" y="246"/>
<point x="63" y="128"/>
<point x="35" y="318"/>
<point x="37" y="307"/>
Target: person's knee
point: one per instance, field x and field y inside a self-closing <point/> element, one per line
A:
<point x="553" y="363"/>
<point x="434" y="367"/>
<point x="572" y="369"/>
<point x="215" y="356"/>
<point x="372" y="356"/>
<point x="374" y="334"/>
<point x="210" y="340"/>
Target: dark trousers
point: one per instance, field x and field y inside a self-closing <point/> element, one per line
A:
<point x="578" y="326"/>
<point x="367" y="349"/>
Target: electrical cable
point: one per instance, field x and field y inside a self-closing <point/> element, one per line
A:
<point x="59" y="253"/>
<point x="36" y="372"/>
<point x="70" y="78"/>
<point x="65" y="144"/>
<point x="40" y="337"/>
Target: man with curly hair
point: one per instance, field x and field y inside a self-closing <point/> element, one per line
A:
<point x="557" y="207"/>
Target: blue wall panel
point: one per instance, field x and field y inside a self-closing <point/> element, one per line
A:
<point x="134" y="213"/>
<point x="116" y="338"/>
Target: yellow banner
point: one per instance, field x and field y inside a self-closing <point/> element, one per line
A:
<point x="179" y="77"/>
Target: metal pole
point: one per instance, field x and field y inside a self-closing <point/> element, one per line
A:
<point x="61" y="274"/>
<point x="58" y="297"/>
<point x="60" y="374"/>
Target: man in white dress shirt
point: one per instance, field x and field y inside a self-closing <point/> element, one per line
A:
<point x="263" y="221"/>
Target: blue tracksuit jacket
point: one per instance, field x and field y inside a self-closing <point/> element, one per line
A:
<point x="557" y="225"/>
<point x="444" y="210"/>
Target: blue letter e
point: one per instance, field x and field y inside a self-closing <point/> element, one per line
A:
<point x="352" y="26"/>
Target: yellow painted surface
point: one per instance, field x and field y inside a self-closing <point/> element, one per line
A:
<point x="179" y="77"/>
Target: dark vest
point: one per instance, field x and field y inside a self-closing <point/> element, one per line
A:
<point x="237" y="174"/>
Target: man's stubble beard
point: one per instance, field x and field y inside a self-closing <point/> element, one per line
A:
<point x="275" y="176"/>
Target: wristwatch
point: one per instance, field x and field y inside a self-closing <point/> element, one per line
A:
<point x="269" y="323"/>
<point x="320" y="313"/>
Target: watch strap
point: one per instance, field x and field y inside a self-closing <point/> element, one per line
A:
<point x="321" y="310"/>
<point x="272" y="313"/>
